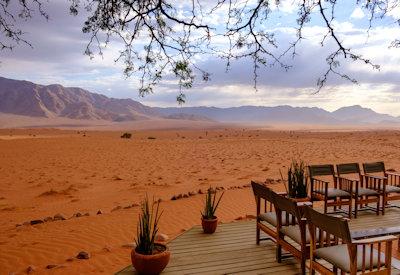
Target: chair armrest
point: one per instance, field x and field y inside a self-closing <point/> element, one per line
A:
<point x="320" y="181"/>
<point x="344" y="178"/>
<point x="393" y="173"/>
<point x="347" y="184"/>
<point x="282" y="193"/>
<point x="375" y="182"/>
<point x="375" y="177"/>
<point x="374" y="240"/>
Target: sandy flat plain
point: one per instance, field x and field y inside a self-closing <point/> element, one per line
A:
<point x="46" y="172"/>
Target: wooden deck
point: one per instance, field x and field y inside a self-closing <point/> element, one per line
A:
<point x="232" y="249"/>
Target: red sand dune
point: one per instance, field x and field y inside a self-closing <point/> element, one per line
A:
<point x="45" y="172"/>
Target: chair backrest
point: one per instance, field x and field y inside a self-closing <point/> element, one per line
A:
<point x="261" y="191"/>
<point x="288" y="207"/>
<point x="337" y="227"/>
<point x="285" y="204"/>
<point x="374" y="167"/>
<point x="348" y="168"/>
<point x="321" y="170"/>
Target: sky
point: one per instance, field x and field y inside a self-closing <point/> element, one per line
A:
<point x="58" y="56"/>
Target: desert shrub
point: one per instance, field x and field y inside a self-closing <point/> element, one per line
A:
<point x="297" y="182"/>
<point x="211" y="204"/>
<point x="126" y="135"/>
<point x="147" y="227"/>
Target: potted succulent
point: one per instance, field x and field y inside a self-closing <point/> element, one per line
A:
<point x="149" y="257"/>
<point x="297" y="181"/>
<point x="209" y="221"/>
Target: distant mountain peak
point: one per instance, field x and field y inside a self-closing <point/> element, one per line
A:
<point x="29" y="99"/>
<point x="25" y="98"/>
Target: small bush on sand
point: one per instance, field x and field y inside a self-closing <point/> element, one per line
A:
<point x="126" y="135"/>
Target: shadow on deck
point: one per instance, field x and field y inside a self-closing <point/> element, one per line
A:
<point x="232" y="249"/>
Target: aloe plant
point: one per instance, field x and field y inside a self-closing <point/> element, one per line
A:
<point x="211" y="204"/>
<point x="297" y="182"/>
<point x="147" y="227"/>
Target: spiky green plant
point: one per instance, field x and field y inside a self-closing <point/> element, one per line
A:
<point x="211" y="204"/>
<point x="297" y="182"/>
<point x="147" y="227"/>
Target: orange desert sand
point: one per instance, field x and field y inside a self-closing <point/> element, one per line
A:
<point x="49" y="172"/>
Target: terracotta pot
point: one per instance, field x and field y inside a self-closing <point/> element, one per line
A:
<point x="150" y="264"/>
<point x="209" y="225"/>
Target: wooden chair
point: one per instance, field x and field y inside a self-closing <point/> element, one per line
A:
<point x="291" y="224"/>
<point x="266" y="216"/>
<point x="387" y="182"/>
<point x="331" y="241"/>
<point x="363" y="192"/>
<point x="337" y="196"/>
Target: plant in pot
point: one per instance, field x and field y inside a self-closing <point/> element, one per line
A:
<point x="297" y="181"/>
<point x="209" y="221"/>
<point x="149" y="257"/>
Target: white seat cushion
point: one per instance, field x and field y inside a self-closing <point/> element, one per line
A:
<point x="338" y="255"/>
<point x="334" y="192"/>
<point x="270" y="217"/>
<point x="392" y="189"/>
<point x="366" y="192"/>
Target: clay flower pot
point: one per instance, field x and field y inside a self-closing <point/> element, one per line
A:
<point x="151" y="264"/>
<point x="209" y="225"/>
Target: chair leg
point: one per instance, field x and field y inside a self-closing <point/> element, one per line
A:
<point x="257" y="235"/>
<point x="378" y="205"/>
<point x="398" y="245"/>
<point x="278" y="253"/>
<point x="350" y="208"/>
<point x="312" y="271"/>
<point x="325" y="206"/>
<point x="334" y="207"/>
<point x="335" y="270"/>
<point x="303" y="266"/>
<point x="355" y="207"/>
<point x="383" y="204"/>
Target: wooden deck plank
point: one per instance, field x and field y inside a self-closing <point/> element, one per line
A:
<point x="232" y="249"/>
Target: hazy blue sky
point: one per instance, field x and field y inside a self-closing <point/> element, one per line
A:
<point x="57" y="57"/>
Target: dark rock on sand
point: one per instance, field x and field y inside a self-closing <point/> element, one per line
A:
<point x="30" y="269"/>
<point x="59" y="217"/>
<point x="77" y="215"/>
<point x="83" y="255"/>
<point x="33" y="222"/>
<point x="48" y="219"/>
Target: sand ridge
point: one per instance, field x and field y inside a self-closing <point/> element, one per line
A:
<point x="85" y="171"/>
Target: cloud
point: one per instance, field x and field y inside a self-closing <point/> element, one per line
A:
<point x="58" y="57"/>
<point x="357" y="13"/>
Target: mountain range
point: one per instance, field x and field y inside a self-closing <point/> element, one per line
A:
<point x="24" y="98"/>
